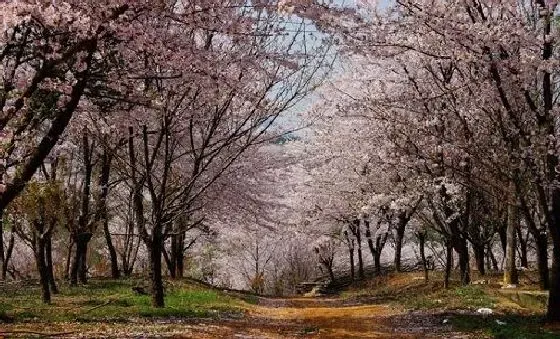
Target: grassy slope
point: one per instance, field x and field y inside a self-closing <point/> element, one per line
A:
<point x="521" y="309"/>
<point x="114" y="301"/>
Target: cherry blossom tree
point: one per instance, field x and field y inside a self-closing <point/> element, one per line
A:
<point x="483" y="73"/>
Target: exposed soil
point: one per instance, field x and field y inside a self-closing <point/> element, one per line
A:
<point x="274" y="318"/>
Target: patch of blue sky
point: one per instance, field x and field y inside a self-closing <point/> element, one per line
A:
<point x="309" y="39"/>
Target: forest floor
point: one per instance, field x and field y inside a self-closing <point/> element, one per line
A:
<point x="396" y="306"/>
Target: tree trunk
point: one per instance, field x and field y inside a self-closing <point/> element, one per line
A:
<point x="379" y="244"/>
<point x="510" y="272"/>
<point x="104" y="185"/>
<point x="351" y="252"/>
<point x="492" y="257"/>
<point x="479" y="256"/>
<point x="541" y="243"/>
<point x="350" y="243"/>
<point x="422" y="245"/>
<point x="49" y="263"/>
<point x="502" y="233"/>
<point x="373" y="252"/>
<point x="331" y="273"/>
<point x="360" y="258"/>
<point x="155" y="251"/>
<point x="128" y="253"/>
<point x="82" y="271"/>
<point x="79" y="264"/>
<point x="43" y="271"/>
<point x="522" y="248"/>
<point x="553" y="309"/>
<point x="448" y="263"/>
<point x="68" y="267"/>
<point x="9" y="252"/>
<point x="170" y="263"/>
<point x="180" y="263"/>
<point x="115" y="272"/>
<point x="399" y="241"/>
<point x="177" y="256"/>
<point x="374" y="249"/>
<point x="75" y="262"/>
<point x="79" y="269"/>
<point x="2" y="256"/>
<point x="463" y="252"/>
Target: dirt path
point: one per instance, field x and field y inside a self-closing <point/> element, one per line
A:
<point x="337" y="318"/>
<point x="277" y="318"/>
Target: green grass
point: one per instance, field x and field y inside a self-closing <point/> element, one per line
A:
<point x="463" y="297"/>
<point x="515" y="327"/>
<point x="521" y="309"/>
<point x="113" y="301"/>
<point x="412" y="292"/>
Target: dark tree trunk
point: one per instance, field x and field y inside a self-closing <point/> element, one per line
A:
<point x="176" y="259"/>
<point x="377" y="263"/>
<point x="541" y="242"/>
<point x="463" y="252"/>
<point x="402" y="220"/>
<point x="448" y="263"/>
<point x="510" y="272"/>
<point x="488" y="259"/>
<point x="492" y="257"/>
<point x="399" y="241"/>
<point x="128" y="254"/>
<point x="548" y="124"/>
<point x="522" y="249"/>
<point x="170" y="263"/>
<point x="375" y="249"/>
<point x="155" y="251"/>
<point x="502" y="233"/>
<point x="9" y="252"/>
<point x="360" y="262"/>
<point x="422" y="245"/>
<point x="104" y="216"/>
<point x="75" y="263"/>
<point x="331" y="273"/>
<point x="180" y="263"/>
<point x="82" y="271"/>
<point x="68" y="267"/>
<point x="79" y="264"/>
<point x="82" y="235"/>
<point x="115" y="272"/>
<point x="7" y="255"/>
<point x="553" y="309"/>
<point x="49" y="263"/>
<point x="351" y="253"/>
<point x="3" y="261"/>
<point x="379" y="244"/>
<point x="350" y="244"/>
<point x="360" y="257"/>
<point x="43" y="270"/>
<point x="373" y="252"/>
<point x="479" y="256"/>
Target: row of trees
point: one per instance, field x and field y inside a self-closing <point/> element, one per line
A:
<point x="455" y="104"/>
<point x="136" y="116"/>
<point x="124" y="115"/>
